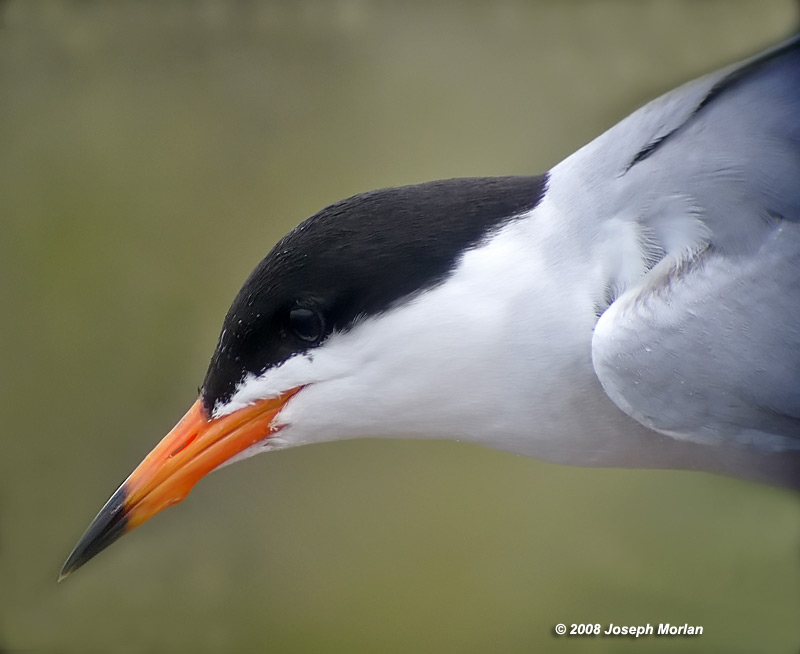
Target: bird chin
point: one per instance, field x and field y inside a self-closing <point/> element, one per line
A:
<point x="274" y="441"/>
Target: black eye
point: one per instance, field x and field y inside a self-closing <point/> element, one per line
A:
<point x="307" y="324"/>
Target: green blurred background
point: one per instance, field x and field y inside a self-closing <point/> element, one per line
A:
<point x="150" y="154"/>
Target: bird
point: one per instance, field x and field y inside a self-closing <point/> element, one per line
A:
<point x="638" y="305"/>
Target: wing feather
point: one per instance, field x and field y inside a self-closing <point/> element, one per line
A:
<point x="705" y="346"/>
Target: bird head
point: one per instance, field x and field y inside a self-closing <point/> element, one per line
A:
<point x="344" y="330"/>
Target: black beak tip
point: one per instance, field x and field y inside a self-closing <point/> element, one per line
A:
<point x="107" y="527"/>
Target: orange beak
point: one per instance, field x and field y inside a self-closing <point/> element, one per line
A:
<point x="195" y="446"/>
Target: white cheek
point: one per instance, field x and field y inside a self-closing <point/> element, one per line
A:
<point x="299" y="370"/>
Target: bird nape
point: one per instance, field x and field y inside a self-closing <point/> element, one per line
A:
<point x="636" y="306"/>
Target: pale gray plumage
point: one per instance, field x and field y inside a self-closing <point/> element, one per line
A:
<point x="705" y="347"/>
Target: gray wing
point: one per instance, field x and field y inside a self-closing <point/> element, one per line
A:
<point x="704" y="343"/>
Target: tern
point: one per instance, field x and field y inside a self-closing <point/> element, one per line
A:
<point x="636" y="306"/>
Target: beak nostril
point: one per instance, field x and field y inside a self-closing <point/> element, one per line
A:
<point x="183" y="446"/>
